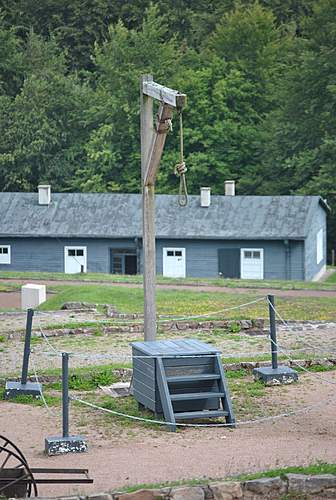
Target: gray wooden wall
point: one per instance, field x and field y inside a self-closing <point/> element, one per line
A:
<point x="47" y="254"/>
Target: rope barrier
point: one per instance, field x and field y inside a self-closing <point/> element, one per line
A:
<point x="289" y="327"/>
<point x="49" y="410"/>
<point x="238" y="423"/>
<point x="177" y="318"/>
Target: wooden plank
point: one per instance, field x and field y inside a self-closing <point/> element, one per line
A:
<point x="164" y="395"/>
<point x="199" y="377"/>
<point x="141" y="386"/>
<point x="223" y="387"/>
<point x="200" y="414"/>
<point x="145" y="400"/>
<point x="164" y="94"/>
<point x="146" y="123"/>
<point x="195" y="395"/>
<point x="157" y="145"/>
<point x="149" y="263"/>
<point x="147" y="131"/>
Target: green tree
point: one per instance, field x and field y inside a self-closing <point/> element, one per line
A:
<point x="299" y="154"/>
<point x="11" y="63"/>
<point x="43" y="126"/>
<point x="113" y="150"/>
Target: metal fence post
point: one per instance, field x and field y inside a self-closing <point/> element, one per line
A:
<point x="65" y="393"/>
<point x="274" y="375"/>
<point x="274" y="346"/>
<point x="59" y="445"/>
<point x="26" y="353"/>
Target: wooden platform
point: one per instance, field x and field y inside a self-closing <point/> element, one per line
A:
<point x="181" y="380"/>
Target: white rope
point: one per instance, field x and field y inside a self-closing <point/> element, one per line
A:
<point x="176" y="318"/>
<point x="49" y="410"/>
<point x="313" y="347"/>
<point x="314" y="374"/>
<point x="45" y="338"/>
<point x="238" y="423"/>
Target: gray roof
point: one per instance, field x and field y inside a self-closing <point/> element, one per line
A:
<point x="107" y="215"/>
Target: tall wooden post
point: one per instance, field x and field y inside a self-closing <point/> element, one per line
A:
<point x="148" y="215"/>
<point x="152" y="144"/>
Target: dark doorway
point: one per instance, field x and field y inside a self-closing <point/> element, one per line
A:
<point x="229" y="262"/>
<point x="130" y="264"/>
<point x="123" y="261"/>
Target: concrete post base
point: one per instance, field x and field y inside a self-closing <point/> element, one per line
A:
<point x="59" y="445"/>
<point x="15" y="389"/>
<point x="275" y="376"/>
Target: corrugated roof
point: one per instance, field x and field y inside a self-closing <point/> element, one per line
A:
<point x="119" y="215"/>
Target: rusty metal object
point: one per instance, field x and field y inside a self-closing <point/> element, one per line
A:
<point x="18" y="480"/>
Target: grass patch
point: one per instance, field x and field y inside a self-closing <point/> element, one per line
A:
<point x="9" y="287"/>
<point x="314" y="469"/>
<point x="311" y="470"/>
<point x="185" y="303"/>
<point x="331" y="280"/>
<point x="31" y="400"/>
<point x="329" y="284"/>
<point x="316" y="368"/>
<point x="88" y="380"/>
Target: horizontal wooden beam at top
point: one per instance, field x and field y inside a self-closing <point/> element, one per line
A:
<point x="164" y="94"/>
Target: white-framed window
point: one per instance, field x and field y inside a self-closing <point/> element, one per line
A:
<point x="319" y="246"/>
<point x="5" y="254"/>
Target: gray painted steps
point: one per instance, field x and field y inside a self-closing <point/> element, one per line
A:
<point x="200" y="414"/>
<point x="196" y="395"/>
<point x="191" y="378"/>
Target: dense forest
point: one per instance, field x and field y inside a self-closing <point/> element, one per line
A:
<point x="260" y="79"/>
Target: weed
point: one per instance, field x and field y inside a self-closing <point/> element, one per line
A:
<point x="235" y="328"/>
<point x="2" y="339"/>
<point x="98" y="332"/>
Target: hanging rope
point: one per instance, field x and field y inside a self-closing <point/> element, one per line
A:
<point x="181" y="169"/>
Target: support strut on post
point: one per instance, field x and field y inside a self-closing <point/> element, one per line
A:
<point x="24" y="388"/>
<point x="274" y="375"/>
<point x="59" y="445"/>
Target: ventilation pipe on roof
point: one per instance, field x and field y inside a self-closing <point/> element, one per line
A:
<point x="230" y="188"/>
<point x="44" y="194"/>
<point x="205" y="197"/>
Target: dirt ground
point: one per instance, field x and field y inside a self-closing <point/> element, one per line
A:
<point x="127" y="455"/>
<point x="149" y="456"/>
<point x="15" y="296"/>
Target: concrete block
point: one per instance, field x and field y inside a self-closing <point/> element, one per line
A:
<point x="275" y="376"/>
<point x="14" y="389"/>
<point x="59" y="445"/>
<point x="32" y="295"/>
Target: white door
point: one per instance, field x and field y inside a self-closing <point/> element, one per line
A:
<point x="174" y="265"/>
<point x="74" y="260"/>
<point x="252" y="263"/>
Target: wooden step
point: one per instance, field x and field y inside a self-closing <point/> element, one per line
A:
<point x="186" y="415"/>
<point x="196" y="395"/>
<point x="193" y="378"/>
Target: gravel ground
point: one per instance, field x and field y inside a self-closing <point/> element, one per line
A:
<point x="302" y="339"/>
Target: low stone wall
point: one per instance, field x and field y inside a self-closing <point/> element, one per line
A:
<point x="251" y="327"/>
<point x="298" y="486"/>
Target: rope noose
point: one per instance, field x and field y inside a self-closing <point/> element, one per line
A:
<point x="181" y="169"/>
